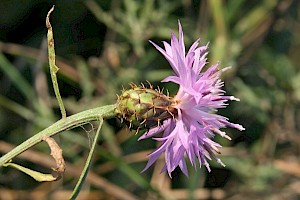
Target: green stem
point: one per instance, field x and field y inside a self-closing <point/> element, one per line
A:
<point x="61" y="125"/>
<point x="53" y="68"/>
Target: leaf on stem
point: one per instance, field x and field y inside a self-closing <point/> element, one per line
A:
<point x="56" y="153"/>
<point x="38" y="176"/>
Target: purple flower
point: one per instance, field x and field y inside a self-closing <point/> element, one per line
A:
<point x="189" y="133"/>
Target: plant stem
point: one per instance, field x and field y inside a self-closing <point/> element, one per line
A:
<point x="61" y="125"/>
<point x="53" y="68"/>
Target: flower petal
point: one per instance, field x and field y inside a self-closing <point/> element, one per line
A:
<point x="190" y="131"/>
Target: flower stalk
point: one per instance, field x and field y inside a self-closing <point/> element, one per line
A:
<point x="72" y="121"/>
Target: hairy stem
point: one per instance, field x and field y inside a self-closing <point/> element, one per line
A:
<point x="61" y="125"/>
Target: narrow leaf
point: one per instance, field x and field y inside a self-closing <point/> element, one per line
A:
<point x="87" y="164"/>
<point x="38" y="176"/>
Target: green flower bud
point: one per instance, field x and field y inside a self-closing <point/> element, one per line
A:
<point x="144" y="108"/>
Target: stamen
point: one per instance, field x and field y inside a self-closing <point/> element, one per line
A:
<point x="220" y="162"/>
<point x="215" y="148"/>
<point x="221" y="133"/>
<point x="232" y="98"/>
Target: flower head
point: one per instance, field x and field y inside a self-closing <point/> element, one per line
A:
<point x="189" y="130"/>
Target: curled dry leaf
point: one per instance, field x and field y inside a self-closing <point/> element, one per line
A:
<point x="56" y="153"/>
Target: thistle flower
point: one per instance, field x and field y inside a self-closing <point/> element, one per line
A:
<point x="191" y="125"/>
<point x="144" y="108"/>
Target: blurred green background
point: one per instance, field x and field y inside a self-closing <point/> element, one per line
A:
<point x="102" y="46"/>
